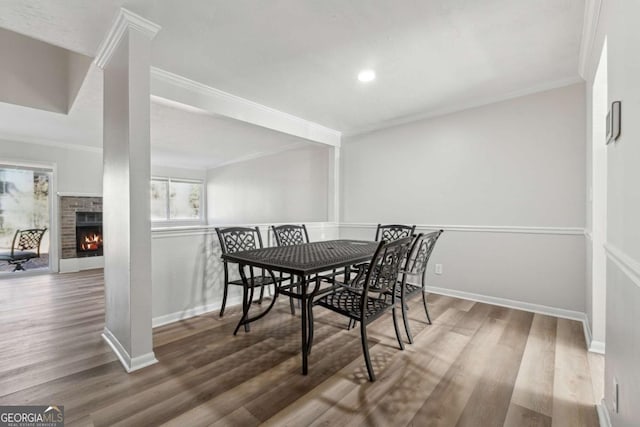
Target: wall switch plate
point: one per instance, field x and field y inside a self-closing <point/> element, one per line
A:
<point x="438" y="268"/>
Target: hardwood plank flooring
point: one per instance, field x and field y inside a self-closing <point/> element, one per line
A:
<point x="477" y="365"/>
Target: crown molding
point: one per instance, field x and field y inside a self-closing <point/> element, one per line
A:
<point x="124" y="20"/>
<point x="178" y="89"/>
<point x="21" y="139"/>
<point x="455" y="108"/>
<point x="589" y="29"/>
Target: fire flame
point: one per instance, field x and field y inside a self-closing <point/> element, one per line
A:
<point x="92" y="242"/>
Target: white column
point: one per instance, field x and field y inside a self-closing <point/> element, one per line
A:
<point x="333" y="182"/>
<point x="125" y="59"/>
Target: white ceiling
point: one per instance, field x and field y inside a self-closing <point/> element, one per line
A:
<point x="180" y="136"/>
<point x="303" y="56"/>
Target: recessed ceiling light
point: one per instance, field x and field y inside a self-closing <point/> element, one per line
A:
<point x="366" y="76"/>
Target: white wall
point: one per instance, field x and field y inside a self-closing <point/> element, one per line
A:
<point x="618" y="24"/>
<point x="518" y="163"/>
<point x="187" y="270"/>
<point x="78" y="171"/>
<point x="291" y="186"/>
<point x="39" y="75"/>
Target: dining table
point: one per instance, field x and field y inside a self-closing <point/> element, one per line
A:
<point x="305" y="263"/>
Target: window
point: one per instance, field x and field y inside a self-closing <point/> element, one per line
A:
<point x="176" y="199"/>
<point x="25" y="203"/>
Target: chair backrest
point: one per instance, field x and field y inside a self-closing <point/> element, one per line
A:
<point x="385" y="266"/>
<point x="420" y="252"/>
<point x="290" y="235"/>
<point x="29" y="239"/>
<point x="394" y="231"/>
<point x="237" y="239"/>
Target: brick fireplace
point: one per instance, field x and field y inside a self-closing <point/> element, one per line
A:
<point x="80" y="232"/>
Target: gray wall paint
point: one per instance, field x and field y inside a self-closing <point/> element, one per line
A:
<point x="287" y="186"/>
<point x="539" y="269"/>
<point x="519" y="162"/>
<point x="516" y="163"/>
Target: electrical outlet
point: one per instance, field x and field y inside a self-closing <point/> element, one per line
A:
<point x="438" y="268"/>
<point x="616" y="396"/>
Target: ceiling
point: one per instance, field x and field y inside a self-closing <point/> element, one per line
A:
<point x="302" y="56"/>
<point x="181" y="136"/>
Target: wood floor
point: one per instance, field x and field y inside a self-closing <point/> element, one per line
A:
<point x="477" y="365"/>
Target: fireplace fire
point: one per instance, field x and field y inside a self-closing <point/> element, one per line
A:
<point x="91" y="242"/>
<point x="89" y="234"/>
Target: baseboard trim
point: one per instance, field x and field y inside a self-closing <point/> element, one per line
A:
<point x="592" y="345"/>
<point x="525" y="306"/>
<point x="143" y="361"/>
<point x="73" y="265"/>
<point x="130" y="364"/>
<point x="603" y="414"/>
<point x="509" y="303"/>
<point x="192" y="312"/>
<point x="596" y="347"/>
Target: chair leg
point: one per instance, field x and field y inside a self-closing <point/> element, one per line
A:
<point x="365" y="351"/>
<point x="424" y="301"/>
<point x="261" y="288"/>
<point x="292" y="306"/>
<point x="426" y="310"/>
<point x="224" y="299"/>
<point x="291" y="303"/>
<point x="18" y="267"/>
<point x="261" y="295"/>
<point x="226" y="289"/>
<point x="405" y="320"/>
<point x="310" y="315"/>
<point x="246" y="303"/>
<point x="395" y="326"/>
<point x="247" y="328"/>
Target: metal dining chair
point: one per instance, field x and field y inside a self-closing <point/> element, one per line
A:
<point x="290" y="235"/>
<point x="236" y="239"/>
<point x="370" y="294"/>
<point x="416" y="268"/>
<point x="390" y="232"/>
